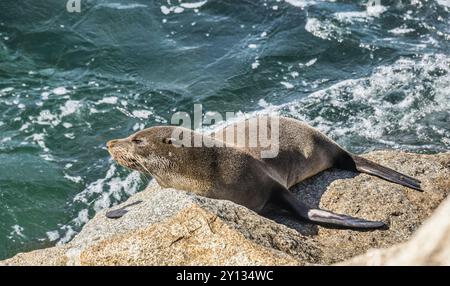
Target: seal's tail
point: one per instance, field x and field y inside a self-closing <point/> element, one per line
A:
<point x="287" y="200"/>
<point x="366" y="166"/>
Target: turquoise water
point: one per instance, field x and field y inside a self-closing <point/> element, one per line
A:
<point x="371" y="77"/>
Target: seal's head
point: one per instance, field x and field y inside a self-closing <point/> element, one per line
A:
<point x="152" y="151"/>
<point x="170" y="155"/>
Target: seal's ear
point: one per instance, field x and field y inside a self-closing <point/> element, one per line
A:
<point x="168" y="140"/>
<point x="172" y="141"/>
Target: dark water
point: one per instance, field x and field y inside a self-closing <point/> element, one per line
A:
<point x="371" y="77"/>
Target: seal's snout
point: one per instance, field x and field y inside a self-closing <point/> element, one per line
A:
<point x="111" y="143"/>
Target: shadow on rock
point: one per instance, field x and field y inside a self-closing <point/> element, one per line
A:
<point x="310" y="192"/>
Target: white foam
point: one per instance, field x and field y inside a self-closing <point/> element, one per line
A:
<point x="372" y="11"/>
<point x="138" y="126"/>
<point x="375" y="10"/>
<point x="165" y="10"/>
<point x="377" y="116"/>
<point x="255" y="64"/>
<point x="445" y="3"/>
<point x="75" y="179"/>
<point x="69" y="233"/>
<point x="380" y="115"/>
<point x="95" y="187"/>
<point x="352" y="15"/>
<point x="47" y="157"/>
<point x="5" y="139"/>
<point x="60" y="90"/>
<point x="263" y="103"/>
<point x="82" y="218"/>
<point x="287" y="84"/>
<point x="38" y="138"/>
<point x="109" y="186"/>
<point x="182" y="7"/>
<point x="70" y="107"/>
<point x="17" y="231"/>
<point x="6" y="89"/>
<point x="300" y="3"/>
<point x="324" y="29"/>
<point x="145" y="114"/>
<point x="159" y="119"/>
<point x="193" y="5"/>
<point x="401" y="30"/>
<point x="252" y="46"/>
<point x="108" y="100"/>
<point x="47" y="118"/>
<point x="52" y="235"/>
<point x="114" y="187"/>
<point x="311" y="62"/>
<point x="45" y="95"/>
<point x="178" y="10"/>
<point x="67" y="125"/>
<point x="120" y="6"/>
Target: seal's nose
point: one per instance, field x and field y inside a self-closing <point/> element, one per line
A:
<point x="111" y="143"/>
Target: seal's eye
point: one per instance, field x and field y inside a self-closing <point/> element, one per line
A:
<point x="137" y="141"/>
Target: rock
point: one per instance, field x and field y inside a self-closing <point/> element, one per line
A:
<point x="194" y="236"/>
<point x="172" y="227"/>
<point x="429" y="246"/>
<point x="371" y="198"/>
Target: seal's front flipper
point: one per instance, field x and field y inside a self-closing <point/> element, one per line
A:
<point x="287" y="200"/>
<point x="366" y="166"/>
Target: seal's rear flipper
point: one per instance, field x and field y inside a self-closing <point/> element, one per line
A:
<point x="366" y="166"/>
<point x="287" y="200"/>
<point x="326" y="217"/>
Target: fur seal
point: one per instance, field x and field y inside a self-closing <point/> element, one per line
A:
<point x="238" y="173"/>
